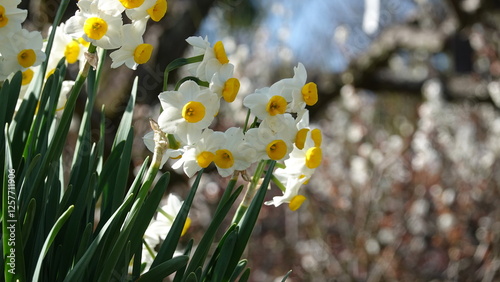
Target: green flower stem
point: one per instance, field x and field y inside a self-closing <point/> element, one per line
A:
<point x="193" y="78"/>
<point x="165" y="214"/>
<point x="172" y="143"/>
<point x="250" y="193"/>
<point x="177" y="63"/>
<point x="278" y="183"/>
<point x="246" y="121"/>
<point x="149" y="249"/>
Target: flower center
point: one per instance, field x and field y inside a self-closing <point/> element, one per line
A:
<point x="313" y="157"/>
<point x="26" y="58"/>
<point x="276" y="105"/>
<point x="220" y="53"/>
<point x="205" y="158"/>
<point x="310" y="93"/>
<point x="95" y="28"/>
<point x="296" y="202"/>
<point x="142" y="53"/>
<point x="4" y="20"/>
<point x="300" y="138"/>
<point x="158" y="10"/>
<point x="224" y="158"/>
<point x="27" y="76"/>
<point x="276" y="150"/>
<point x="193" y="111"/>
<point x="131" y="4"/>
<point x="72" y="51"/>
<point x="231" y="88"/>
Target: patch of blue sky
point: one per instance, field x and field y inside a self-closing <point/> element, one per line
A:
<point x="306" y="30"/>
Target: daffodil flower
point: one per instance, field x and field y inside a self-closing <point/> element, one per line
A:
<point x="291" y="194"/>
<point x="64" y="46"/>
<point x="188" y="111"/>
<point x="273" y="139"/>
<point x="20" y="51"/>
<point x="304" y="161"/>
<point x="304" y="131"/>
<point x="214" y="58"/>
<point x="296" y="90"/>
<point x="111" y="7"/>
<point x="299" y="168"/>
<point x="154" y="9"/>
<point x="133" y="50"/>
<point x="98" y="22"/>
<point x="11" y="17"/>
<point x="224" y="84"/>
<point x="234" y="154"/>
<point x="263" y="103"/>
<point x="200" y="154"/>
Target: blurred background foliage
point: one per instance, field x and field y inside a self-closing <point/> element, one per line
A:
<point x="409" y="108"/>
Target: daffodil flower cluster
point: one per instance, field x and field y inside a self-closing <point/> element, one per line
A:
<point x="97" y="22"/>
<point x="280" y="132"/>
<point x="101" y="23"/>
<point x="20" y="49"/>
<point x="23" y="50"/>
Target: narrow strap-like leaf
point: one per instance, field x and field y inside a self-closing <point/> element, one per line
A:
<point x="10" y="221"/>
<point x="28" y="220"/>
<point x="126" y="120"/>
<point x="239" y="268"/>
<point x="139" y="210"/>
<point x="180" y="272"/>
<point x="249" y="219"/>
<point x="80" y="268"/>
<point x="224" y="207"/>
<point x="286" y="276"/>
<point x="164" y="269"/>
<point x="245" y="276"/>
<point x="168" y="247"/>
<point x="225" y="256"/>
<point x="50" y="238"/>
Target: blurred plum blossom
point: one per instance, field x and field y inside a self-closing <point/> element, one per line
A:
<point x="405" y="183"/>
